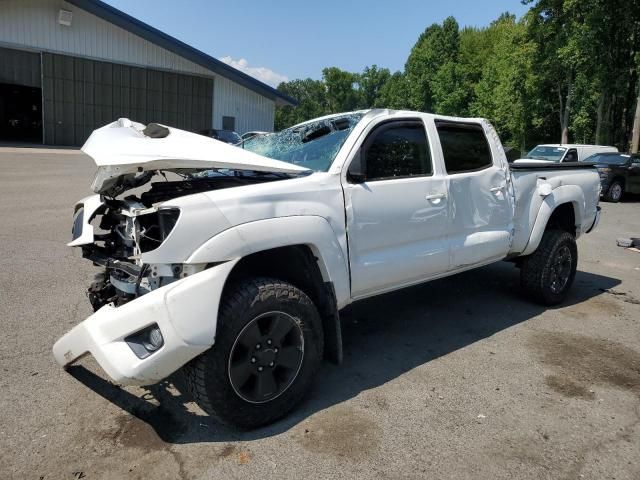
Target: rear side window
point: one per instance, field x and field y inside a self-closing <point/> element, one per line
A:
<point x="397" y="150"/>
<point x="464" y="147"/>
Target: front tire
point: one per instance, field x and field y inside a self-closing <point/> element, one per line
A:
<point x="547" y="274"/>
<point x="615" y="192"/>
<point x="268" y="347"/>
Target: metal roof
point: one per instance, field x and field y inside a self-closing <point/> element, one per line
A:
<point x="141" y="29"/>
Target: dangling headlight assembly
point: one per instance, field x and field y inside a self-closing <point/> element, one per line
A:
<point x="154" y="228"/>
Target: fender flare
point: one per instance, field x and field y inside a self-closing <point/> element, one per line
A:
<point x="572" y="194"/>
<point x="252" y="237"/>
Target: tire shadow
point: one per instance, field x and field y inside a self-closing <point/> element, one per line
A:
<point x="630" y="198"/>
<point x="384" y="337"/>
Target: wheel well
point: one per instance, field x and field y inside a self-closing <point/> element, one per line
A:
<point x="618" y="179"/>
<point x="296" y="264"/>
<point x="563" y="218"/>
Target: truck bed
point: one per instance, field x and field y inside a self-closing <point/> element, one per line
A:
<point x="579" y="178"/>
<point x="551" y="165"/>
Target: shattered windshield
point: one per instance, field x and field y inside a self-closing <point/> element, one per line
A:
<point x="553" y="154"/>
<point x="313" y="145"/>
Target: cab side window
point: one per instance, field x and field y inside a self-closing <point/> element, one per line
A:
<point x="397" y="150"/>
<point x="464" y="147"/>
<point x="571" y="156"/>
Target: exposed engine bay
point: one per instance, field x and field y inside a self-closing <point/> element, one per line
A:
<point x="139" y="168"/>
<point x="127" y="226"/>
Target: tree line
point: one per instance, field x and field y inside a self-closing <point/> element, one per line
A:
<point x="567" y="71"/>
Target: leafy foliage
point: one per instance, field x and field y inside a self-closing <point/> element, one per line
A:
<point x="568" y="70"/>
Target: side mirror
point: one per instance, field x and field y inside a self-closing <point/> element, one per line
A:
<point x="356" y="173"/>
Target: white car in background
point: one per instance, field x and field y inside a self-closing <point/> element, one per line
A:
<point x="256" y="133"/>
<point x="556" y="152"/>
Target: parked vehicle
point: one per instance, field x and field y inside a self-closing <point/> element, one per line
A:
<point x="566" y="153"/>
<point x="512" y="154"/>
<point x="256" y="133"/>
<point x="619" y="173"/>
<point x="237" y="280"/>
<point x="226" y="136"/>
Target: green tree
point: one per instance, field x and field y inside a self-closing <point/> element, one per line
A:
<point x="567" y="68"/>
<point x="450" y="91"/>
<point x="553" y="28"/>
<point x="370" y="83"/>
<point x="394" y="93"/>
<point x="312" y="102"/>
<point x="436" y="46"/>
<point x="505" y="93"/>
<point x="341" y="94"/>
<point x="586" y="50"/>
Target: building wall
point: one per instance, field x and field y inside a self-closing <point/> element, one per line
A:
<point x="81" y="95"/>
<point x="34" y="24"/>
<point x="20" y="68"/>
<point x="251" y="110"/>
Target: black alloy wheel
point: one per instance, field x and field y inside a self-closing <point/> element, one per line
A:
<point x="268" y="347"/>
<point x="560" y="269"/>
<point x="547" y="274"/>
<point x="266" y="357"/>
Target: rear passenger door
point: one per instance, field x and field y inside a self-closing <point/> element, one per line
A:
<point x="480" y="206"/>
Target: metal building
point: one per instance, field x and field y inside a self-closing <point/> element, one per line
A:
<point x="67" y="67"/>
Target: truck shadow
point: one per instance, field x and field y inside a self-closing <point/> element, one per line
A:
<point x="384" y="337"/>
<point x="631" y="198"/>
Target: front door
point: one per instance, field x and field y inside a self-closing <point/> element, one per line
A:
<point x="396" y="210"/>
<point x="481" y="215"/>
<point x="633" y="177"/>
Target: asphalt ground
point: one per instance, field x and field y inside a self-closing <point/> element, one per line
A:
<point x="458" y="378"/>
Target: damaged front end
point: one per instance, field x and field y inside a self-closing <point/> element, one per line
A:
<point x="154" y="311"/>
<point x="115" y="233"/>
<point x="127" y="229"/>
<point x="150" y="317"/>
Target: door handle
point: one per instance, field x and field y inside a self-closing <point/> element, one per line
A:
<point x="436" y="196"/>
<point x="497" y="189"/>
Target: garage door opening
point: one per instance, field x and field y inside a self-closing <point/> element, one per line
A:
<point x="20" y="114"/>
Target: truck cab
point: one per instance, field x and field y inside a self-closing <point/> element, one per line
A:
<point x="410" y="171"/>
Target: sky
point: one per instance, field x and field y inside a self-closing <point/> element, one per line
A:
<point x="285" y="39"/>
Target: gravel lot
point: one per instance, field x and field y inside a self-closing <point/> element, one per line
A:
<point x="459" y="378"/>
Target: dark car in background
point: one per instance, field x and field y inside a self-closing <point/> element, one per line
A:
<point x="619" y="174"/>
<point x="227" y="136"/>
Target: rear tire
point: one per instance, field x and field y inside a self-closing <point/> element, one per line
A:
<point x="268" y="347"/>
<point x="547" y="274"/>
<point x="615" y="192"/>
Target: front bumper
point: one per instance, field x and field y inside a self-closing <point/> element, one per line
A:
<point x="186" y="312"/>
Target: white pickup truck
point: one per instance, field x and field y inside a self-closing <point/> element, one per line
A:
<point x="230" y="264"/>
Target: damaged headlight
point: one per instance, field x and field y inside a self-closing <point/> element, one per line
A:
<point x="154" y="228"/>
<point x="76" y="230"/>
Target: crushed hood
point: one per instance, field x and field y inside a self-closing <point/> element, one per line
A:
<point x="125" y="148"/>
